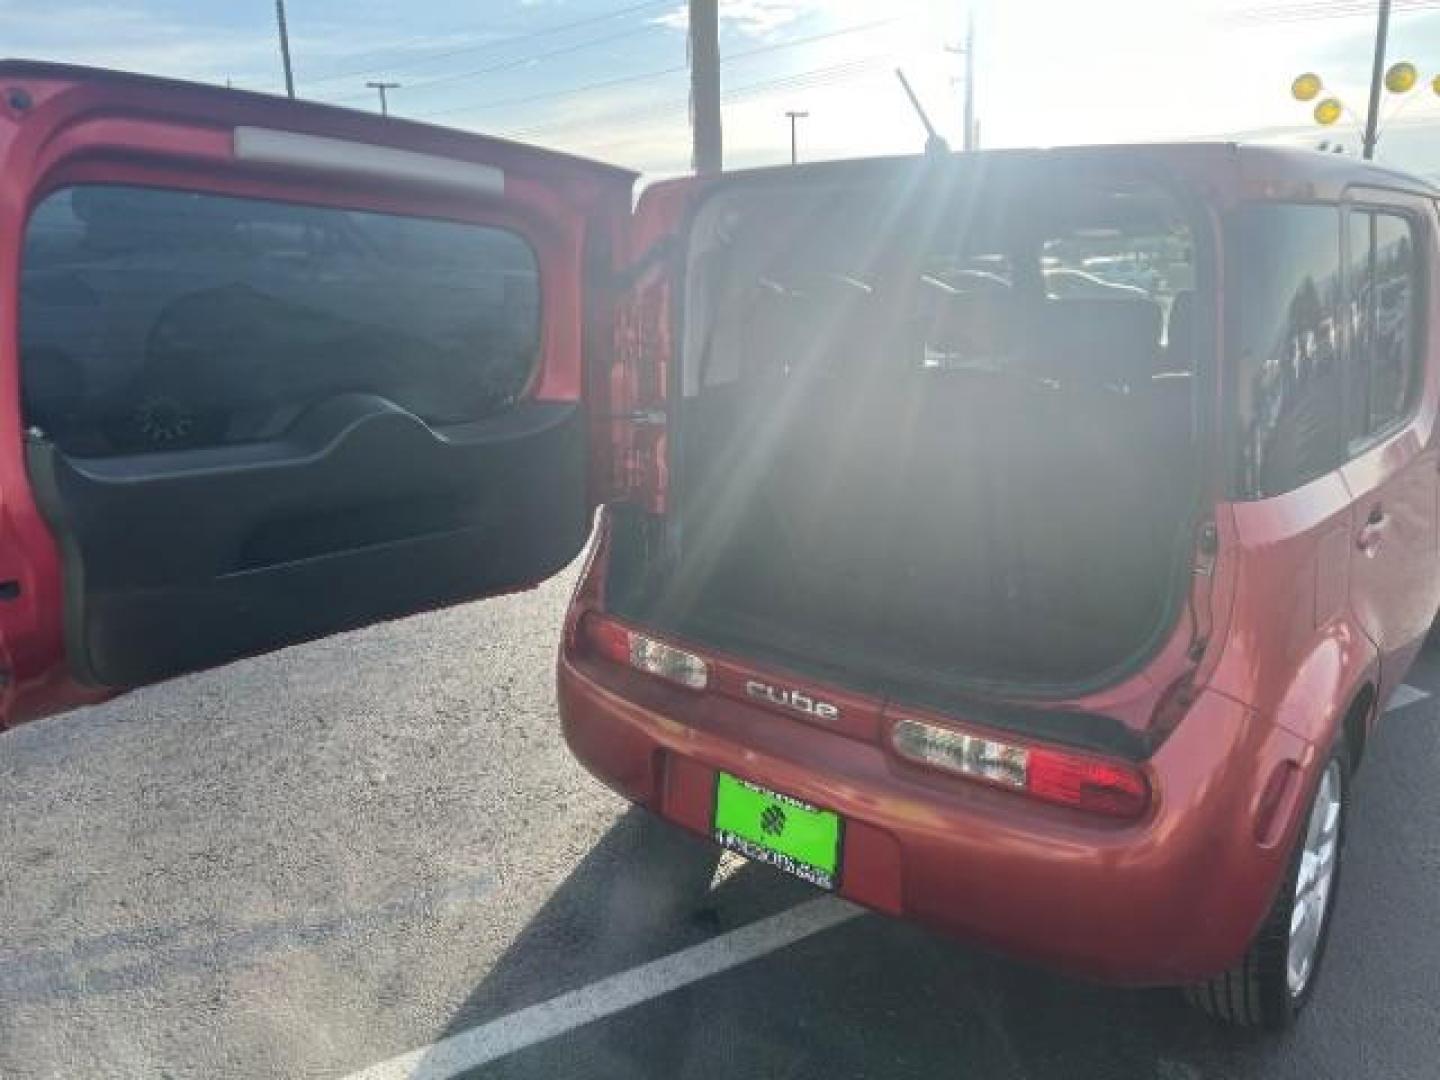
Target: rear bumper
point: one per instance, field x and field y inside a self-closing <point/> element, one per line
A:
<point x="1171" y="899"/>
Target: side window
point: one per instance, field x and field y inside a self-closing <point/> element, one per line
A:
<point x="1381" y="296"/>
<point x="1286" y="345"/>
<point x="159" y="320"/>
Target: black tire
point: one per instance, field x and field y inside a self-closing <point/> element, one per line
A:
<point x="1256" y="992"/>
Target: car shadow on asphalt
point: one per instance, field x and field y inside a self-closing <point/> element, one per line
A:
<point x="872" y="997"/>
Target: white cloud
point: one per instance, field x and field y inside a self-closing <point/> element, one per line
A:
<point x="129" y="37"/>
<point x="753" y="18"/>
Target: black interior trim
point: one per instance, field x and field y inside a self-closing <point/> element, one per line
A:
<point x="362" y="512"/>
<point x="854" y="664"/>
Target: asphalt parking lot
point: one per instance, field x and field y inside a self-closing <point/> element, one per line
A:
<point x="373" y="857"/>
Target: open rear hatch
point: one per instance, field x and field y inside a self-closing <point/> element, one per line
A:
<point x="934" y="428"/>
<point x="284" y="370"/>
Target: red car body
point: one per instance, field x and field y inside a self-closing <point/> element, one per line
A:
<point x="1304" y="608"/>
<point x="63" y="126"/>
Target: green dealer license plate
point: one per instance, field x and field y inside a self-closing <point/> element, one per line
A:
<point x="777" y="829"/>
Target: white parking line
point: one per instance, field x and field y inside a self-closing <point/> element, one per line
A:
<point x="1405" y="694"/>
<point x="507" y="1034"/>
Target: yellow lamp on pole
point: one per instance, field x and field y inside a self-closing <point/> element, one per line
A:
<point x="1306" y="87"/>
<point x="1401" y="77"/>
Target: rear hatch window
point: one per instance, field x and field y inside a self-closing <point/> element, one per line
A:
<point x="158" y="320"/>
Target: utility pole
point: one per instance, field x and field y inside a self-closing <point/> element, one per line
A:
<point x="968" y="141"/>
<point x="1377" y="73"/>
<point x="382" y="87"/>
<point x="794" y="157"/>
<point x="705" y="86"/>
<point x="285" y="48"/>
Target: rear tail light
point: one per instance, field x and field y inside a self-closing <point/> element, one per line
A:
<point x="1104" y="787"/>
<point x="1113" y="788"/>
<point x="609" y="639"/>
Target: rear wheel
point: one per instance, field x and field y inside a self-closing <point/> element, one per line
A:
<point x="1274" y="980"/>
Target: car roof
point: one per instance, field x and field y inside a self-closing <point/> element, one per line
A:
<point x="1245" y="169"/>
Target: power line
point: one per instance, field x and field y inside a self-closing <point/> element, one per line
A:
<point x="516" y="62"/>
<point x="550" y="95"/>
<point x="504" y="43"/>
<point x="1319" y="9"/>
<point x="1313" y="9"/>
<point x="801" y="80"/>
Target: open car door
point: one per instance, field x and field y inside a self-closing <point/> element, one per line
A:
<point x="272" y="371"/>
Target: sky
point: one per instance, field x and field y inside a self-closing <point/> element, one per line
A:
<point x="607" y="78"/>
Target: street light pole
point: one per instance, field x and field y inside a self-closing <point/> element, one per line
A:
<point x="382" y="87"/>
<point x="1372" y="115"/>
<point x="794" y="156"/>
<point x="285" y="48"/>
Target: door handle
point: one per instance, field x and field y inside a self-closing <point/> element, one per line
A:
<point x="1373" y="530"/>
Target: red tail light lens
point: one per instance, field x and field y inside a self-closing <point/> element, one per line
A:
<point x="1113" y="788"/>
<point x="1103" y="787"/>
<point x="612" y="641"/>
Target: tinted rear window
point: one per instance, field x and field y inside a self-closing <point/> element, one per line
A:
<point x="154" y="319"/>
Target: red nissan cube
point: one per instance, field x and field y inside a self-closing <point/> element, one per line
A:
<point x="1023" y="543"/>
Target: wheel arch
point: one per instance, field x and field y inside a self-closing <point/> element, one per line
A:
<point x="1327" y="689"/>
<point x="1357" y="722"/>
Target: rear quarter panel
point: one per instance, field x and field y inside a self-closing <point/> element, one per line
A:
<point x="1293" y="652"/>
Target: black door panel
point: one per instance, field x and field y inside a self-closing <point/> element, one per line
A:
<point x="278" y="370"/>
<point x="180" y="560"/>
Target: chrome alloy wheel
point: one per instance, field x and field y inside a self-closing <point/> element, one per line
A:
<point x="1313" y="883"/>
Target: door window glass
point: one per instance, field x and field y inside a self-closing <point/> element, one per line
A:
<point x="160" y="320"/>
<point x="1286" y="345"/>
<point x="1381" y="312"/>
